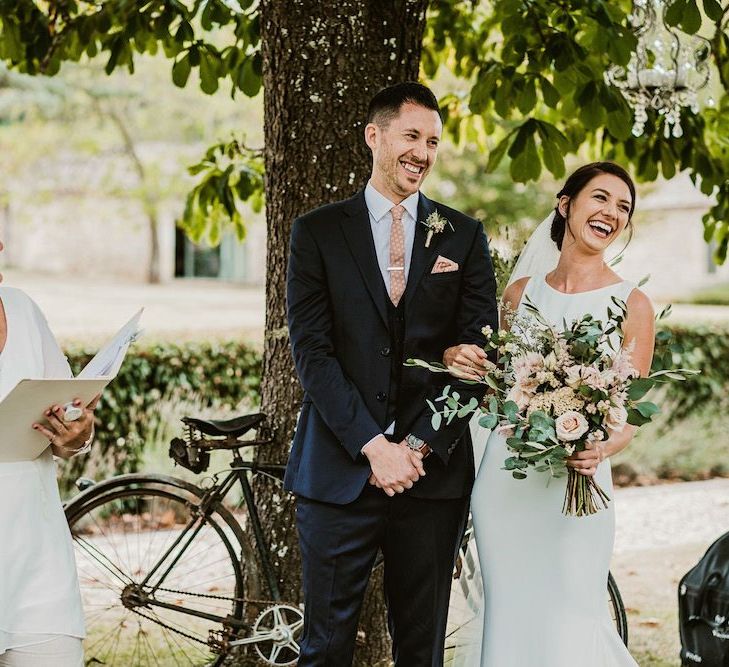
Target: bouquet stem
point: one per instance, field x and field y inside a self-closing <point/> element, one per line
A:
<point x="583" y="495"/>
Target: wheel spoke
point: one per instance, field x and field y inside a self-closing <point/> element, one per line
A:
<point x="293" y="646"/>
<point x="120" y="537"/>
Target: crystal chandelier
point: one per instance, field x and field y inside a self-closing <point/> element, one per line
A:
<point x="666" y="70"/>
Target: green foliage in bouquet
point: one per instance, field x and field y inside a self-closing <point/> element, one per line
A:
<point x="557" y="392"/>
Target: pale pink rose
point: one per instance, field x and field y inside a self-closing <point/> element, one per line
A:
<point x="519" y="396"/>
<point x="617" y="418"/>
<point x="528" y="385"/>
<point x="527" y="364"/>
<point x="571" y="426"/>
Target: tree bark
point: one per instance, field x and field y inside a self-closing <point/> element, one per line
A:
<point x="322" y="62"/>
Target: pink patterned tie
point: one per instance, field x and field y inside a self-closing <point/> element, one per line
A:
<point x="397" y="255"/>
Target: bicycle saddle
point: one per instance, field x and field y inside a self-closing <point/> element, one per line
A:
<point x="230" y="428"/>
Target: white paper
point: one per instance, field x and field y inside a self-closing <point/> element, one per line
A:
<point x="108" y="359"/>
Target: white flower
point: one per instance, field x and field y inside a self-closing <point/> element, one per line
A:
<point x="595" y="436"/>
<point x="573" y="376"/>
<point x="592" y="378"/>
<point x="550" y="361"/>
<point x="571" y="426"/>
<point x="435" y="223"/>
<point x="609" y="377"/>
<point x="617" y="418"/>
<point x="487" y="331"/>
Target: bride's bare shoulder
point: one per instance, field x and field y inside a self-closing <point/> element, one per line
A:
<point x="513" y="293"/>
<point x="640" y="305"/>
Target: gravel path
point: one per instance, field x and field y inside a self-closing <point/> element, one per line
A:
<point x="669" y="515"/>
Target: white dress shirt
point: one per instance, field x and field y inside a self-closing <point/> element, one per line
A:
<point x="379" y="208"/>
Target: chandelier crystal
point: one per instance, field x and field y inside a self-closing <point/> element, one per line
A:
<point x="665" y="72"/>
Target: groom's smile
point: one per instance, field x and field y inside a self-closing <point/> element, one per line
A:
<point x="404" y="149"/>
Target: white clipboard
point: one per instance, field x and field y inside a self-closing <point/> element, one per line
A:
<point x="30" y="398"/>
<point x="27" y="403"/>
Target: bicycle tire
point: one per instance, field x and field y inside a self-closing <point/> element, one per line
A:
<point x="140" y="513"/>
<point x="617" y="608"/>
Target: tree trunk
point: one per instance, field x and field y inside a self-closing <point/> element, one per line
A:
<point x="322" y="62"/>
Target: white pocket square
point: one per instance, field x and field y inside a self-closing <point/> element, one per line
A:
<point x="444" y="265"/>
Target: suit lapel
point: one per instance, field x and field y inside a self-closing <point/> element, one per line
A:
<point x="422" y="257"/>
<point x="358" y="234"/>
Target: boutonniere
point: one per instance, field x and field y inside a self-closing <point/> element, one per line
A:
<point x="435" y="223"/>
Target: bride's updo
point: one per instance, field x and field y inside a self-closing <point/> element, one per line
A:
<point x="574" y="185"/>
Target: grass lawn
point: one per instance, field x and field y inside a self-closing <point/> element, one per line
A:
<point x="695" y="448"/>
<point x="648" y="582"/>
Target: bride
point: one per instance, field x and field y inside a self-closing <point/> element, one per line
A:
<point x="544" y="573"/>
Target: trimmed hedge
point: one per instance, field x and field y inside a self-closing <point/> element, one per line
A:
<point x="222" y="374"/>
<point x="704" y="348"/>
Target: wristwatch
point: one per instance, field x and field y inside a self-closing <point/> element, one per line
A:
<point x="418" y="445"/>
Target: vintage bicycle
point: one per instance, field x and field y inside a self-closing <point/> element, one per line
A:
<point x="172" y="575"/>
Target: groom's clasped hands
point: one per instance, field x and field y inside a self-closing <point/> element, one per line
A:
<point x="395" y="466"/>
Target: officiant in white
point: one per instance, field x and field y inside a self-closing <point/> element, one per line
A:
<point x="41" y="617"/>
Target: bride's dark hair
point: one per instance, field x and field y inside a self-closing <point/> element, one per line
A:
<point x="574" y="185"/>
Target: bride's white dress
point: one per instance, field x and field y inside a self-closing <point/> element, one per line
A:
<point x="39" y="591"/>
<point x="544" y="573"/>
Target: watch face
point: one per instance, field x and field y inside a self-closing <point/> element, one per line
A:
<point x="414" y="443"/>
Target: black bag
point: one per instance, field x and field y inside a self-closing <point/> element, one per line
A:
<point x="188" y="456"/>
<point x="703" y="609"/>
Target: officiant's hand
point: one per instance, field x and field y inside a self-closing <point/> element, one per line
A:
<point x="467" y="361"/>
<point x="395" y="467"/>
<point x="68" y="437"/>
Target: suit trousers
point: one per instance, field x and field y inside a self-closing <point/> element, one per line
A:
<point x="419" y="540"/>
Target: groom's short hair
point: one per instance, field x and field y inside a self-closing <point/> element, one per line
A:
<point x="385" y="105"/>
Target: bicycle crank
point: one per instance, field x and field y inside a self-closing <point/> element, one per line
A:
<point x="276" y="634"/>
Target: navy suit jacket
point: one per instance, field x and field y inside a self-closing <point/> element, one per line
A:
<point x="338" y="326"/>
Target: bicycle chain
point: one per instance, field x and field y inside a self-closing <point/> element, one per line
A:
<point x="216" y="597"/>
<point x="199" y="595"/>
<point x="169" y="627"/>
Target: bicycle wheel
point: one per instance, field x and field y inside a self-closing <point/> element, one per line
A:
<point x="617" y="608"/>
<point x="150" y="597"/>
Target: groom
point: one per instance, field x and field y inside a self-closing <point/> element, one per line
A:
<point x="370" y="286"/>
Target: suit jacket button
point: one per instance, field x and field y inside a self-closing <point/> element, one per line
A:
<point x="385" y="351"/>
<point x="381" y="396"/>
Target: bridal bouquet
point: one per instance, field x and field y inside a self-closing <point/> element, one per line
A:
<point x="553" y="392"/>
